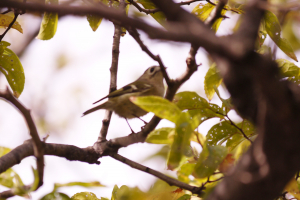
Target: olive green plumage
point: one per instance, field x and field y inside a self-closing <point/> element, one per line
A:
<point x="150" y="83"/>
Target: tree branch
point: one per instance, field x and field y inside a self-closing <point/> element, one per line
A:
<point x="152" y="11"/>
<point x="113" y="73"/>
<point x="136" y="36"/>
<point x="193" y="31"/>
<point x="167" y="179"/>
<point x="38" y="145"/>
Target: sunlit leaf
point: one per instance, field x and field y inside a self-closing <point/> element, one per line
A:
<point x="84" y="196"/>
<point x="274" y="31"/>
<point x="5" y="21"/>
<point x="161" y="136"/>
<point x="158" y="16"/>
<point x="12" y="68"/>
<point x="209" y="160"/>
<point x="289" y="32"/>
<point x="95" y="20"/>
<point x="159" y="106"/>
<point x="241" y="148"/>
<point x="292" y="188"/>
<point x="217" y="23"/>
<point x="287" y="68"/>
<point x="49" y="23"/>
<point x="114" y="193"/>
<point x="212" y="78"/>
<point x="203" y="11"/>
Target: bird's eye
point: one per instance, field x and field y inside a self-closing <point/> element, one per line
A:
<point x="151" y="69"/>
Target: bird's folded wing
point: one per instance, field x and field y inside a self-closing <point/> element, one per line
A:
<point x="131" y="88"/>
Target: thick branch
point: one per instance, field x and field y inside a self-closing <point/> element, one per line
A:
<point x="69" y="152"/>
<point x="193" y="31"/>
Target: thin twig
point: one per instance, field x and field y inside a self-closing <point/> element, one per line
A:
<point x="241" y="130"/>
<point x="154" y="10"/>
<point x="134" y="33"/>
<point x="9" y="27"/>
<point x="217" y="12"/>
<point x="167" y="179"/>
<point x="147" y="11"/>
<point x="7" y="11"/>
<point x="113" y="73"/>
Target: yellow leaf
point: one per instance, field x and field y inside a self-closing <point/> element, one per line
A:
<point x="292" y="188"/>
<point x="5" y="20"/>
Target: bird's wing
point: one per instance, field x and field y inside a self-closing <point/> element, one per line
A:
<point x="127" y="89"/>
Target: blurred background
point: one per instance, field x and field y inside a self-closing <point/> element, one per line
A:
<point x="66" y="74"/>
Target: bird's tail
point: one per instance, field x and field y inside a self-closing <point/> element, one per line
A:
<point x="93" y="109"/>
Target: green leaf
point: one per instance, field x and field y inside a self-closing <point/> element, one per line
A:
<point x="236" y="139"/>
<point x="287" y="68"/>
<point x="185" y="171"/>
<point x="56" y="196"/>
<point x="219" y="132"/>
<point x="289" y="33"/>
<point x="217" y="23"/>
<point x="209" y="160"/>
<point x="95" y="20"/>
<point x="12" y="68"/>
<point x="185" y="197"/>
<point x="5" y="21"/>
<point x="161" y="136"/>
<point x="49" y="23"/>
<point x="181" y="143"/>
<point x="114" y="193"/>
<point x="159" y="106"/>
<point x="224" y="130"/>
<point x="274" y="31"/>
<point x="126" y="192"/>
<point x="197" y="105"/>
<point x="84" y="196"/>
<point x="158" y="16"/>
<point x="226" y="103"/>
<point x="241" y="148"/>
<point x="203" y="11"/>
<point x="212" y="78"/>
<point x="7" y="177"/>
<point x="35" y="181"/>
<point x="82" y="184"/>
<point x="4" y="150"/>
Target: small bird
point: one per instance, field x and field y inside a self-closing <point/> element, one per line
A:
<point x="150" y="83"/>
